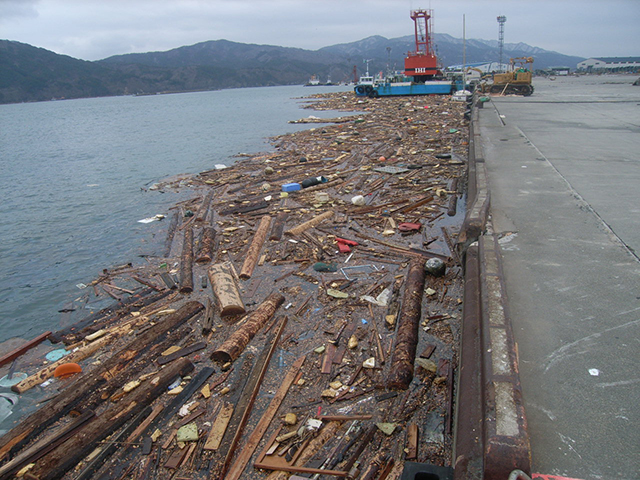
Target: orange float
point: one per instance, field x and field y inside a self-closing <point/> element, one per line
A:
<point x="66" y="370"/>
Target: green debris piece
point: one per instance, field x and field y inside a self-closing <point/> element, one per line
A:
<point x="453" y="130"/>
<point x="325" y="267"/>
<point x="163" y="265"/>
<point x="337" y="293"/>
<point x="387" y="428"/>
<point x="187" y="433"/>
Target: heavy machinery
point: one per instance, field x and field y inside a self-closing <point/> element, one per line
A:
<point x="516" y="81"/>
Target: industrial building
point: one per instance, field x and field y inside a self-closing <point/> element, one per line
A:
<point x="610" y="65"/>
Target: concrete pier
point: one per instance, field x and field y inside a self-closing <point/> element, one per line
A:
<point x="563" y="171"/>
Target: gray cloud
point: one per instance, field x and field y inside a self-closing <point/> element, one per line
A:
<point x="94" y="29"/>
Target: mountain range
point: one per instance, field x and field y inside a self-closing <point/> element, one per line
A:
<point x="29" y="73"/>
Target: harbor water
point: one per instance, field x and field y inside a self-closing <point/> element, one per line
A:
<point x="75" y="178"/>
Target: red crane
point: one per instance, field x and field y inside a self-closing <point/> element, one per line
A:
<point x="422" y="64"/>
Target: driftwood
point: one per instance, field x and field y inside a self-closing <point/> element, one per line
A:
<point x="186" y="262"/>
<point x="404" y="351"/>
<point x="251" y="259"/>
<point x="225" y="289"/>
<point x="249" y="447"/>
<point x="48" y="371"/>
<point x="250" y="392"/>
<point x="278" y="226"/>
<point x="63" y="458"/>
<point x="171" y="230"/>
<point x="116" y="310"/>
<point x="147" y="301"/>
<point x="327" y="433"/>
<point x="88" y="390"/>
<point x="15" y="353"/>
<point x="207" y="244"/>
<point x="235" y="344"/>
<point x="44" y="446"/>
<point x="297" y="230"/>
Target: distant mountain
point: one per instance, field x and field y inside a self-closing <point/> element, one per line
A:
<point x="29" y="73"/>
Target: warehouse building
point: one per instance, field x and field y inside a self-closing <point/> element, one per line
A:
<point x="610" y="65"/>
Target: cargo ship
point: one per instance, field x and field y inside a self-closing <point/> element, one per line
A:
<point x="422" y="74"/>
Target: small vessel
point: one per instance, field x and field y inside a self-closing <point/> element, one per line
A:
<point x="421" y="76"/>
<point x="314" y="81"/>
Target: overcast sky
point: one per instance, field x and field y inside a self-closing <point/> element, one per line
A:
<point x="95" y="29"/>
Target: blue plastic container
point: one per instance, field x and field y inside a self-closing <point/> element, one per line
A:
<point x="291" y="187"/>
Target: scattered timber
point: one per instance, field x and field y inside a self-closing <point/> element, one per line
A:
<point x="406" y="343"/>
<point x="235" y="344"/>
<point x="310" y="396"/>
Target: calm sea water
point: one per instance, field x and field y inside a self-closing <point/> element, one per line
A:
<point x="73" y="176"/>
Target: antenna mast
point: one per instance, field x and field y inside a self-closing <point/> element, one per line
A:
<point x="501" y="21"/>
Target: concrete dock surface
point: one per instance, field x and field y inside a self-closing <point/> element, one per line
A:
<point x="563" y="171"/>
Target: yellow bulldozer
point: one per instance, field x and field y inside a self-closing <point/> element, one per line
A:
<point x="517" y="81"/>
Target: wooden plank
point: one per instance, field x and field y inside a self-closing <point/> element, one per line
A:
<point x="219" y="427"/>
<point x="12" y="355"/>
<point x="250" y="392"/>
<point x="412" y="442"/>
<point x="254" y="439"/>
<point x="327" y="359"/>
<point x="183" y="352"/>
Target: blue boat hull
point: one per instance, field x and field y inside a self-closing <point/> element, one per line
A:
<point x="390" y="89"/>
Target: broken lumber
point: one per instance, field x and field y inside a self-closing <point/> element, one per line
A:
<point x="253" y="253"/>
<point x="15" y="353"/>
<point x="404" y="350"/>
<point x="310" y="223"/>
<point x="60" y="460"/>
<point x="236" y="343"/>
<point x="186" y="262"/>
<point x="249" y="447"/>
<point x="278" y="226"/>
<point x="225" y="289"/>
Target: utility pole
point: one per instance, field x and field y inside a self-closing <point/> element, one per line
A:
<point x="501" y="21"/>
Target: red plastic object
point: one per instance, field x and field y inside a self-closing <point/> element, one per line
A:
<point x="409" y="227"/>
<point x="66" y="370"/>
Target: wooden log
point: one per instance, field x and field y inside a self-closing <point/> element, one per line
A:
<point x="147" y="301"/>
<point x="15" y="353"/>
<point x="225" y="289"/>
<point x="73" y="357"/>
<point x="44" y="446"/>
<point x="278" y="226"/>
<point x="117" y="310"/>
<point x="92" y="387"/>
<point x="207" y="244"/>
<point x="311" y="223"/>
<point x="404" y="350"/>
<point x="171" y="230"/>
<point x="186" y="262"/>
<point x="253" y="253"/>
<point x="236" y="343"/>
<point x="60" y="460"/>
